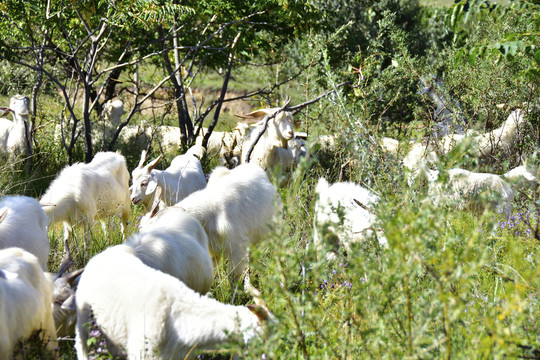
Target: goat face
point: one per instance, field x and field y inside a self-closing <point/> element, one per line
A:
<point x="20" y="105"/>
<point x="284" y="122"/>
<point x="143" y="185"/>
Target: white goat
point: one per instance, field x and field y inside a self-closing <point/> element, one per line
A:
<point x="136" y="135"/>
<point x="14" y="134"/>
<point x="183" y="177"/>
<point x="177" y="245"/>
<point x="151" y="315"/>
<point x="64" y="310"/>
<point x="344" y="214"/>
<point x="279" y="131"/>
<point x="417" y="160"/>
<point x="390" y="145"/>
<point x="82" y="192"/>
<point x="26" y="297"/>
<point x="521" y="177"/>
<point x="23" y="224"/>
<point x="227" y="145"/>
<point x="485" y="145"/>
<point x="236" y="209"/>
<point x="477" y="192"/>
<point x="501" y="139"/>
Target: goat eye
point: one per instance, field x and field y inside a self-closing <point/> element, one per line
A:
<point x="144" y="183"/>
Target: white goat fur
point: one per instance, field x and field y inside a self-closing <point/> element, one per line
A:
<point x="26" y="297"/>
<point x="477" y="192"/>
<point x="154" y="315"/>
<point x="183" y="177"/>
<point x="521" y="177"/>
<point x="82" y="192"/>
<point x="227" y="145"/>
<point x="13" y="134"/>
<point x="277" y="135"/>
<point x="338" y="214"/>
<point x="417" y="159"/>
<point x="24" y="226"/>
<point x="484" y="145"/>
<point x="176" y="244"/>
<point x="236" y="209"/>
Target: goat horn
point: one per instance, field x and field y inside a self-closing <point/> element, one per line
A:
<point x="143" y="159"/>
<point x="362" y="206"/>
<point x="67" y="261"/>
<point x="72" y="276"/>
<point x="154" y="162"/>
<point x="3" y="216"/>
<point x="287" y="101"/>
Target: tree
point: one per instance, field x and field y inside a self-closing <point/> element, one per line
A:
<point x="84" y="47"/>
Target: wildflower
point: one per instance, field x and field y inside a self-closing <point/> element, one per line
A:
<point x="334" y="272"/>
<point x="95" y="333"/>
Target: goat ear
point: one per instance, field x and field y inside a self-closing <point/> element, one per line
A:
<point x="261" y="311"/>
<point x="157" y="199"/>
<point x="74" y="276"/>
<point x="152" y="164"/>
<point x="152" y="185"/>
<point x="5" y="110"/>
<point x="3" y="216"/>
<point x="256" y="115"/>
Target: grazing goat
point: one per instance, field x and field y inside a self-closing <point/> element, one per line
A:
<point x="226" y="145"/>
<point x="23" y="224"/>
<point x="477" y="192"/>
<point x="344" y="214"/>
<point x="487" y="144"/>
<point x="235" y="209"/>
<point x="521" y="177"/>
<point x="176" y="244"/>
<point x="183" y="177"/>
<point x="15" y="135"/>
<point x="64" y="310"/>
<point x="148" y="314"/>
<point x="82" y="192"/>
<point x="279" y="131"/>
<point x="417" y="160"/>
<point x="26" y="298"/>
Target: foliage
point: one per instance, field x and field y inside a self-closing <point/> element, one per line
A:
<point x="518" y="41"/>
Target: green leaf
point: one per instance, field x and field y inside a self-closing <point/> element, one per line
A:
<point x="537" y="57"/>
<point x="471" y="57"/>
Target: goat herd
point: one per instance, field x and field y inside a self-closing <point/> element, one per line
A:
<point x="147" y="295"/>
